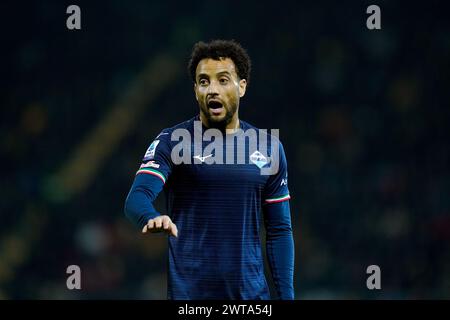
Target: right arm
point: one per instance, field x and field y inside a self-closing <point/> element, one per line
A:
<point x="148" y="183"/>
<point x="139" y="203"/>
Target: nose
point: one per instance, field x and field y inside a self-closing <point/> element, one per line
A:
<point x="213" y="88"/>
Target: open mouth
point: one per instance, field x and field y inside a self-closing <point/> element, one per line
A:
<point x="215" y="106"/>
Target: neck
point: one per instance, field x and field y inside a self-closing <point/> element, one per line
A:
<point x="231" y="127"/>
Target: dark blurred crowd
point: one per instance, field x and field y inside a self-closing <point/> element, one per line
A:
<point x="363" y="116"/>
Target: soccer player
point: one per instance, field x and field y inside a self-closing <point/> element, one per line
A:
<point x="215" y="203"/>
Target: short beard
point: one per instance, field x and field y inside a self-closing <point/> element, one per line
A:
<point x="221" y="124"/>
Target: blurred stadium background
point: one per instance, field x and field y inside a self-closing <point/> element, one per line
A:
<point x="363" y="115"/>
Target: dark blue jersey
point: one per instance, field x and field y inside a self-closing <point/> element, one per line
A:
<point x="218" y="198"/>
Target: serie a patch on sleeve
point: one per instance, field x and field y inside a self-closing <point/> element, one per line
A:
<point x="150" y="153"/>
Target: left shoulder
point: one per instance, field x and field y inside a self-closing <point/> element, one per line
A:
<point x="272" y="136"/>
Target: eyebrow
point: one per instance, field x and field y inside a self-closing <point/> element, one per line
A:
<point x="223" y="72"/>
<point x="204" y="75"/>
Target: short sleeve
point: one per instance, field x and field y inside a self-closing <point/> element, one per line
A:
<point x="276" y="188"/>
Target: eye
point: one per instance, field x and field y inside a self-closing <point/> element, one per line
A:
<point x="203" y="82"/>
<point x="223" y="80"/>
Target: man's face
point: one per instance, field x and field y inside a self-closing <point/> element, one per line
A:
<point x="218" y="90"/>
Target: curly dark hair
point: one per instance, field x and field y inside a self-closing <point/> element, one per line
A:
<point x="217" y="49"/>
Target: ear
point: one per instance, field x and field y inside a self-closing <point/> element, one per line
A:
<point x="242" y="87"/>
<point x="195" y="91"/>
